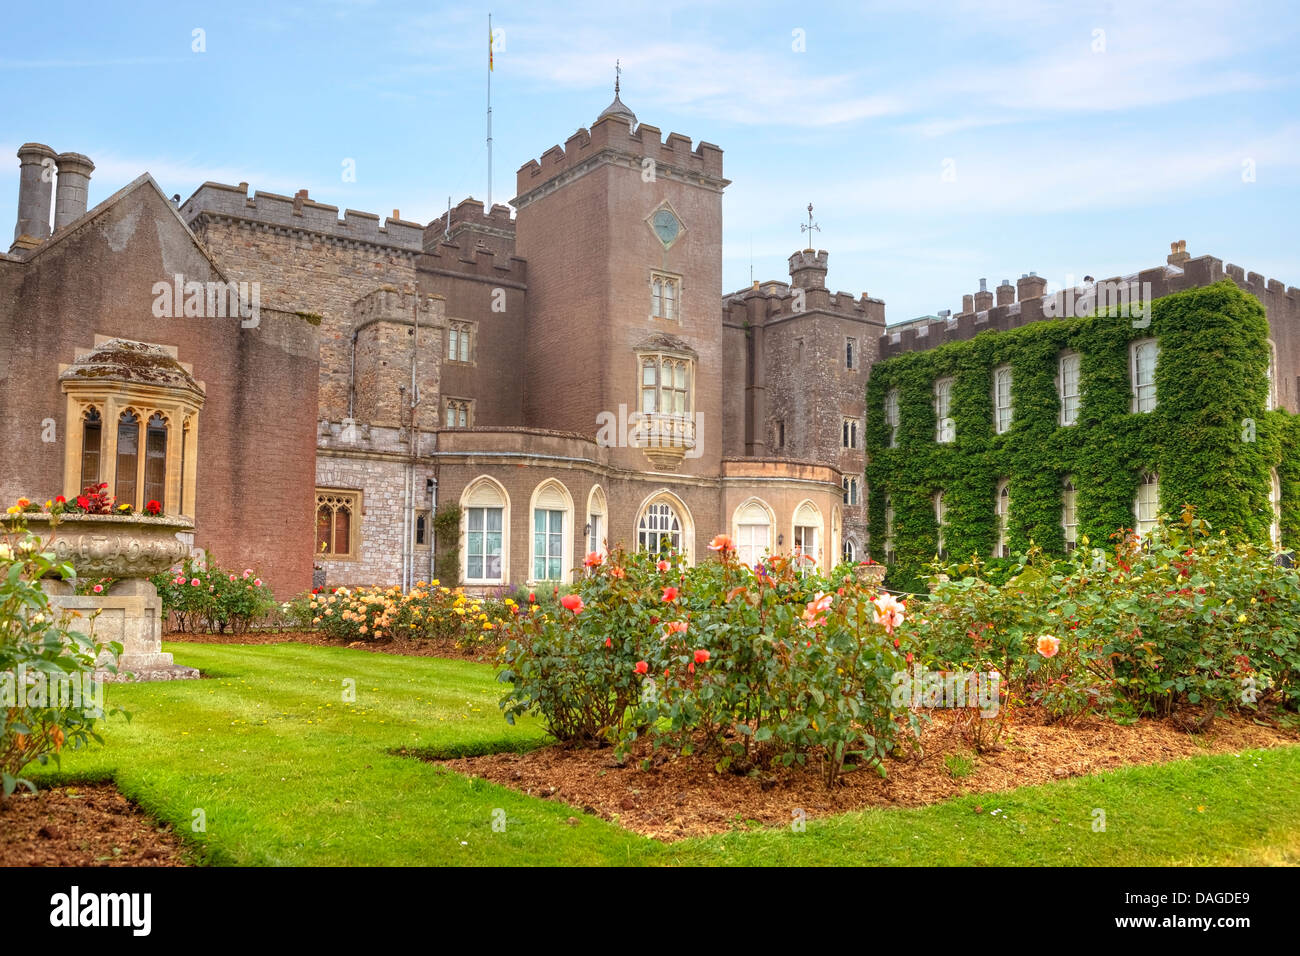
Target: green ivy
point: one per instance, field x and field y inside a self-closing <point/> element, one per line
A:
<point x="1211" y="384"/>
<point x="446" y="531"/>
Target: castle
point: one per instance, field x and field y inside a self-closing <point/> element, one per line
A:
<point x="559" y="380"/>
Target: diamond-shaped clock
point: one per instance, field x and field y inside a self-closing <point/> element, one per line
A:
<point x="666" y="226"/>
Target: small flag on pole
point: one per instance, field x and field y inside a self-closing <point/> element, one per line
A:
<point x="489" y="47"/>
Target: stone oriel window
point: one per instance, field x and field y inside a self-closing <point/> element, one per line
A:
<point x="338" y="523"/>
<point x="460" y="342"/>
<point x="132" y="423"/>
<point x="665" y="385"/>
<point x="457" y="412"/>
<point x="92" y="432"/>
<point x="665" y="296"/>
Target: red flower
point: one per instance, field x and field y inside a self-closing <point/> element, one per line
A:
<point x="909" y="657"/>
<point x="83" y="501"/>
<point x="593" y="559"/>
<point x="661" y="565"/>
<point x="642" y="667"/>
<point x="701" y="656"/>
<point x="60" y="500"/>
<point x="573" y="602"/>
<point x="722" y="543"/>
<point x="154" y="508"/>
<point x="532" y="597"/>
<point x="608" y="642"/>
<point x="670" y="593"/>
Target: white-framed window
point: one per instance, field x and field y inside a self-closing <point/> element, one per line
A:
<point x="852" y="495"/>
<point x="483" y="545"/>
<point x="891" y="416"/>
<point x="1275" y="509"/>
<point x="1067" y="384"/>
<point x="850" y="352"/>
<point x="460" y="338"/>
<point x="548" y="545"/>
<point x="806" y="536"/>
<point x="849" y="433"/>
<point x="665" y="385"/>
<point x="596" y="521"/>
<point x="753" y="532"/>
<point x="1146" y="506"/>
<point x="1270" y="401"/>
<point x="889" y="529"/>
<point x="1002" y="399"/>
<point x="944" y="429"/>
<point x="457" y="412"/>
<point x="665" y="296"/>
<point x="659" y="529"/>
<point x="1143" y="356"/>
<point x="485" y="522"/>
<point x="940" y="522"/>
<point x="1070" y="514"/>
<point x="1004" y="519"/>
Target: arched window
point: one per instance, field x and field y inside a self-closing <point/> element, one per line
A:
<point x="1275" y="509"/>
<point x="891" y="416"/>
<point x="807" y="536"/>
<point x="1146" y="507"/>
<point x="1002" y="399"/>
<point x="1069" y="514"/>
<point x="940" y="521"/>
<point x="596" y="521"/>
<point x="1145" y="355"/>
<point x="92" y="436"/>
<point x="128" y="456"/>
<point x="336" y="527"/>
<point x="485" y="521"/>
<point x="155" y="461"/>
<point x="753" y="532"/>
<point x="944" y="429"/>
<point x="850" y="550"/>
<point x="552" y="510"/>
<point x="659" y="530"/>
<point x="1004" y="516"/>
<point x="1067" y="383"/>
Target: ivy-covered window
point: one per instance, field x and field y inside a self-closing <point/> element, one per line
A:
<point x="891" y="416"/>
<point x="1001" y="399"/>
<point x="940" y="521"/>
<point x="1147" y="505"/>
<point x="1145" y="354"/>
<point x="1275" y="510"/>
<point x="1067" y="383"/>
<point x="889" y="530"/>
<point x="1270" y="401"/>
<point x="944" y="429"/>
<point x="1070" y="514"/>
<point x="1003" y="549"/>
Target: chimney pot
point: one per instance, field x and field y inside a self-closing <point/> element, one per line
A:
<point x="984" y="287"/>
<point x="35" y="188"/>
<point x="72" y="194"/>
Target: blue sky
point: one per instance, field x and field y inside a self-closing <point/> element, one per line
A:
<point x="1070" y="151"/>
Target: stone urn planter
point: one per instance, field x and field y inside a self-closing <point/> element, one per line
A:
<point x="872" y="575"/>
<point x="128" y="548"/>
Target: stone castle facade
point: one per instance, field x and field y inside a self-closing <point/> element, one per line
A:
<point x="565" y="374"/>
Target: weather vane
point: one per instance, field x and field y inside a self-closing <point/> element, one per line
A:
<point x="618" y="71"/>
<point x="810" y="227"/>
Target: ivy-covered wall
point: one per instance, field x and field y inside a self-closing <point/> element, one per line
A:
<point x="1211" y="385"/>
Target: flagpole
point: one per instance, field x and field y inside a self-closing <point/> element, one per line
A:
<point x="489" y="115"/>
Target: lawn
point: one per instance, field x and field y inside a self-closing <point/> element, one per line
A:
<point x="285" y="772"/>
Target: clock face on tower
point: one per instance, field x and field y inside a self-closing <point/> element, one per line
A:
<point x="666" y="226"/>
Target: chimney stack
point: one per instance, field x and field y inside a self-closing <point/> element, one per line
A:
<point x="1006" y="293"/>
<point x="1030" y="286"/>
<point x="73" y="191"/>
<point x="983" y="298"/>
<point x="35" y="188"/>
<point x="967" y="304"/>
<point x="1178" y="253"/>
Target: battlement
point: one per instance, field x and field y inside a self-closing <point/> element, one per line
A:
<point x="481" y="262"/>
<point x="1282" y="303"/>
<point x="805" y="292"/>
<point x="469" y="214"/>
<point x="300" y="212"/>
<point x="614" y="135"/>
<point x="390" y="304"/>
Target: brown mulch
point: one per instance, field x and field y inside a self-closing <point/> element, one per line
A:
<point x="85" y="825"/>
<point x="684" y="797"/>
<point x="481" y="653"/>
